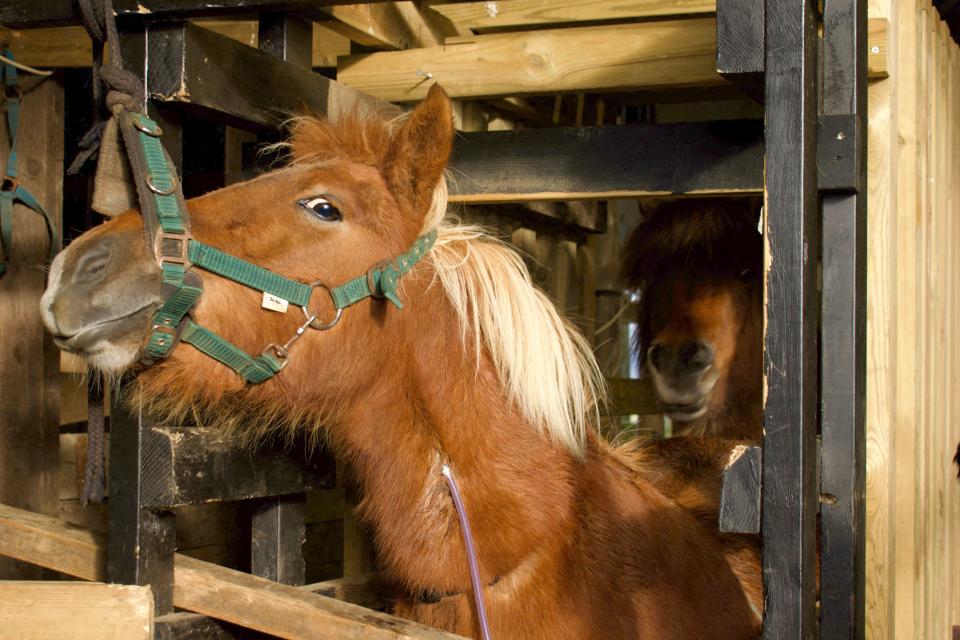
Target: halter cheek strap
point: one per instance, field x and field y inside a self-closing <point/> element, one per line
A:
<point x="11" y="191"/>
<point x="166" y="224"/>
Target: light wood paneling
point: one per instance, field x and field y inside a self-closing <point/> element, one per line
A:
<point x="75" y="611"/>
<point x="913" y="517"/>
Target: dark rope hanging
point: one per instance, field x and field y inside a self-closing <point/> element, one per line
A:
<point x="122" y="85"/>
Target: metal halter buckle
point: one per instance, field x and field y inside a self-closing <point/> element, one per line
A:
<point x="184" y="255"/>
<point x="9" y="184"/>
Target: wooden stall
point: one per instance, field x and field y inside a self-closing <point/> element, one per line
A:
<point x="913" y="495"/>
<point x="561" y="106"/>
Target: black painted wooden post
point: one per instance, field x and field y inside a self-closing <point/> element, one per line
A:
<point x="142" y="541"/>
<point x="278" y="534"/>
<point x="791" y="234"/>
<point x="842" y="169"/>
<point x="278" y="526"/>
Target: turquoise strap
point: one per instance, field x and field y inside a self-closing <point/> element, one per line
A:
<point x="385" y="277"/>
<point x="11" y="192"/>
<point x="249" y="274"/>
<point x="253" y="370"/>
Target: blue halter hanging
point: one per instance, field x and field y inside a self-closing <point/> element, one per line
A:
<point x="11" y="191"/>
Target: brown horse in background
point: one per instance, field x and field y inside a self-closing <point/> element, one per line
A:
<point x="477" y="371"/>
<point x="697" y="263"/>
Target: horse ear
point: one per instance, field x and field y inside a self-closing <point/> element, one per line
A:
<point x="420" y="150"/>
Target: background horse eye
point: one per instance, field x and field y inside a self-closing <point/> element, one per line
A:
<point x="322" y="208"/>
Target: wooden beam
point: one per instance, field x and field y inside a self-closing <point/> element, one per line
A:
<point x="503" y="14"/>
<point x="607" y="162"/>
<point x="225" y="594"/>
<point x="30" y="13"/>
<point x="196" y="68"/>
<point x="625" y="57"/>
<point x="29" y="361"/>
<point x="70" y="46"/>
<point x="392" y="25"/>
<point x="75" y="611"/>
<point x="51" y="543"/>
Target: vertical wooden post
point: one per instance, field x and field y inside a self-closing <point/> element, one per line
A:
<point x="790" y="487"/>
<point x="141" y="542"/>
<point x="29" y="361"/>
<point x="843" y="321"/>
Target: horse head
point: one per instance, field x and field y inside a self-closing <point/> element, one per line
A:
<point x="697" y="264"/>
<point x="357" y="193"/>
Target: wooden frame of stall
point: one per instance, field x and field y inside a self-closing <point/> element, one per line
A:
<point x="812" y="150"/>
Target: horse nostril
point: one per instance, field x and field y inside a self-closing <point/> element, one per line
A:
<point x="93" y="265"/>
<point x="697" y="356"/>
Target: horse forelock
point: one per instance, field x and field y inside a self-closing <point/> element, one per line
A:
<point x="708" y="237"/>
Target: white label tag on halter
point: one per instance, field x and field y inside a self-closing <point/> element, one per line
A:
<point x="274" y="303"/>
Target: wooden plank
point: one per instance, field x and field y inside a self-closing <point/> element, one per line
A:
<point x="29" y="13"/>
<point x="75" y="611"/>
<point x="610" y="58"/>
<point x="391" y="25"/>
<point x="740" y="495"/>
<point x="503" y="14"/>
<point x="29" y="361"/>
<point x="233" y="596"/>
<point x="71" y="47"/>
<point x="740" y="52"/>
<point x="657" y="55"/>
<point x="843" y="325"/>
<point x="187" y="465"/>
<point x="196" y="68"/>
<point x="278" y="533"/>
<point x="607" y="162"/>
<point x="791" y="234"/>
<point x="48" y="542"/>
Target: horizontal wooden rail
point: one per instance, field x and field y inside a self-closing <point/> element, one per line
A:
<point x="570" y="163"/>
<point x="659" y="55"/>
<point x="518" y="13"/>
<point x="218" y="592"/>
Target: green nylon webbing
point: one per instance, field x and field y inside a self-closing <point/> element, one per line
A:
<point x="386" y="279"/>
<point x="255" y="277"/>
<point x="253" y="370"/>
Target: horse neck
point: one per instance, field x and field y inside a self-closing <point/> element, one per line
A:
<point x="433" y="405"/>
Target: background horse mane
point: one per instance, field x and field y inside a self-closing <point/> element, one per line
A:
<point x="697" y="264"/>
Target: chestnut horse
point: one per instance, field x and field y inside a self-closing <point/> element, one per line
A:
<point x="697" y="263"/>
<point x="477" y="371"/>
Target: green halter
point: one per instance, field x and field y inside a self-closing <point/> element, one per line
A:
<point x="177" y="251"/>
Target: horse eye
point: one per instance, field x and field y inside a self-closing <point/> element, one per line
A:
<point x="322" y="208"/>
<point x="746" y="275"/>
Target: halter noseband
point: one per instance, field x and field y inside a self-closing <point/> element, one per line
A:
<point x="166" y="223"/>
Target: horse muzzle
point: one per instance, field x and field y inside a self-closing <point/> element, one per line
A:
<point x="683" y="377"/>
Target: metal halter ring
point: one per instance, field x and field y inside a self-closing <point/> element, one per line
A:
<point x="157" y="190"/>
<point x="314" y="321"/>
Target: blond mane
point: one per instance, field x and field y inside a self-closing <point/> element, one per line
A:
<point x="546" y="366"/>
